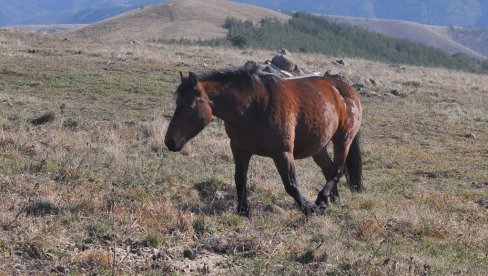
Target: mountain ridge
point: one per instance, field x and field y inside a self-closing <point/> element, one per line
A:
<point x="187" y="19"/>
<point x="472" y="13"/>
<point x="454" y="40"/>
<point x="466" y="13"/>
<point x="449" y="39"/>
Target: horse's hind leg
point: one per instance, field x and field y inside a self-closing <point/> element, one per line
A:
<point x="285" y="164"/>
<point x="329" y="169"/>
<point x="334" y="173"/>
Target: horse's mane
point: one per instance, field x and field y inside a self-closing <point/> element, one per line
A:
<point x="243" y="75"/>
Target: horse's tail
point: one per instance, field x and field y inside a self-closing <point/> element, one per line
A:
<point x="354" y="166"/>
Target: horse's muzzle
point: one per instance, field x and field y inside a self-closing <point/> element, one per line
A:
<point x="172" y="145"/>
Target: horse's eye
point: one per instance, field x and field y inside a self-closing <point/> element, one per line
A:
<point x="191" y="106"/>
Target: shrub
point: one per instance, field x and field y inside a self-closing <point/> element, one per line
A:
<point x="239" y="41"/>
<point x="43" y="119"/>
<point x="70" y="123"/>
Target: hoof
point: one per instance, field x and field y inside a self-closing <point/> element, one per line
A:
<point x="335" y="199"/>
<point x="310" y="208"/>
<point x="243" y="211"/>
<point x="322" y="200"/>
<point x="322" y="206"/>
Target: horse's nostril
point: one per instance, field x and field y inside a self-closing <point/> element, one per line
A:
<point x="170" y="144"/>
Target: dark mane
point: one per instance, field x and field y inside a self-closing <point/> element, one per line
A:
<point x="245" y="74"/>
<point x="243" y="77"/>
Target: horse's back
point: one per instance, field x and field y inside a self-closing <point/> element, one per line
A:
<point x="325" y="85"/>
<point x="328" y="108"/>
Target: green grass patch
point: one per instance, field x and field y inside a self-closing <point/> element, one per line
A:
<point x="97" y="230"/>
<point x="3" y="245"/>
<point x="209" y="188"/>
<point x="155" y="240"/>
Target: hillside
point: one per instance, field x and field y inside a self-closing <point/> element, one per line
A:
<point x="175" y="21"/>
<point x="88" y="187"/>
<point x="476" y="39"/>
<point x="469" y="13"/>
<point x="317" y="34"/>
<point x="192" y="19"/>
<point x="451" y="40"/>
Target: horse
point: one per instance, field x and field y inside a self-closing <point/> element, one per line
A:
<point x="281" y="118"/>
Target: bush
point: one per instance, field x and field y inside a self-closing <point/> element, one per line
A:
<point x="239" y="41"/>
<point x="43" y="119"/>
<point x="70" y="124"/>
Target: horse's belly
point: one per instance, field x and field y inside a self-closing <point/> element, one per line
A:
<point x="309" y="146"/>
<point x="311" y="140"/>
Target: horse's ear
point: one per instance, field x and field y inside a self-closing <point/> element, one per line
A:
<point x="193" y="79"/>
<point x="182" y="77"/>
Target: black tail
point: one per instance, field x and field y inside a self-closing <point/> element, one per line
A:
<point x="354" y="166"/>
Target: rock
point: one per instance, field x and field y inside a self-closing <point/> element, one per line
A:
<point x="395" y="92"/>
<point x="216" y="244"/>
<point x="368" y="93"/>
<point x="339" y="62"/>
<point x="328" y="74"/>
<point x="358" y="86"/>
<point x="469" y="136"/>
<point x="189" y="254"/>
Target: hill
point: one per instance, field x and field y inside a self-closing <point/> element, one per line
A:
<point x="310" y="33"/>
<point x="473" y="38"/>
<point x="88" y="187"/>
<point x="453" y="40"/>
<point x="450" y="39"/>
<point x="472" y="13"/>
<point x="180" y="19"/>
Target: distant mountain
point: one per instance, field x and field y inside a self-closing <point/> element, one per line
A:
<point x="472" y="13"/>
<point x="453" y="40"/>
<point x="31" y="12"/>
<point x="467" y="13"/>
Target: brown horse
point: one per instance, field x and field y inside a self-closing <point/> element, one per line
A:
<point x="285" y="119"/>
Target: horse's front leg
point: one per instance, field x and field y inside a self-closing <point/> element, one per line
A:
<point x="241" y="161"/>
<point x="285" y="164"/>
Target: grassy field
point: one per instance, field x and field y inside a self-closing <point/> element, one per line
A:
<point x="87" y="186"/>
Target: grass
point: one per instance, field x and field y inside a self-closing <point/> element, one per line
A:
<point x="97" y="180"/>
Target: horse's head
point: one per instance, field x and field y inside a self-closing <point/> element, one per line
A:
<point x="193" y="112"/>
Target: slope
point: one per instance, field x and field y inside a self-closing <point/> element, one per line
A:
<point x="192" y="19"/>
<point x="434" y="36"/>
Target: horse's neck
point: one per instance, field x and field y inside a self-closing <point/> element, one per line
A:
<point x="228" y="104"/>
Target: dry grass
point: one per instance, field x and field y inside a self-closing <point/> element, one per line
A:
<point x="94" y="189"/>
